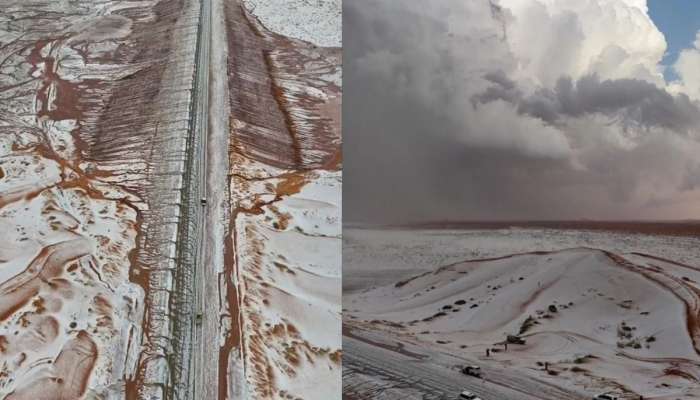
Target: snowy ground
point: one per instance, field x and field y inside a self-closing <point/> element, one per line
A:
<point x="283" y="268"/>
<point x="316" y="21"/>
<point x="289" y="255"/>
<point x="90" y="155"/>
<point x="70" y="319"/>
<point x="605" y="311"/>
<point x="369" y="254"/>
<point x="96" y="290"/>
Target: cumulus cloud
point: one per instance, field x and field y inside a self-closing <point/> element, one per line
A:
<point x="515" y="109"/>
<point x="613" y="38"/>
<point x="639" y="104"/>
<point x="688" y="69"/>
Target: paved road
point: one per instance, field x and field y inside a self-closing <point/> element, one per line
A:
<point x="211" y="116"/>
<point x="204" y="335"/>
<point x="430" y="375"/>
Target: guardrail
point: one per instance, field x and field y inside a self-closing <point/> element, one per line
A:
<point x="183" y="297"/>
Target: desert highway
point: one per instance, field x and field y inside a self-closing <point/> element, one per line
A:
<point x="213" y="216"/>
<point x="201" y="376"/>
<point x="371" y="371"/>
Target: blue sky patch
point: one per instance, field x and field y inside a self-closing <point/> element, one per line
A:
<point x="679" y="20"/>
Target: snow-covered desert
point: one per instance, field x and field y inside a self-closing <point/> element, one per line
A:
<point x="561" y="312"/>
<point x="170" y="179"/>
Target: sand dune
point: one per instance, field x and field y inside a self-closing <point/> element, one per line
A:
<point x="67" y="378"/>
<point x="599" y="319"/>
<point x="284" y="263"/>
<point x="80" y="90"/>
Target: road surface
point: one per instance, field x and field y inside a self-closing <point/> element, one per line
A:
<point x="212" y="112"/>
<point x="372" y="371"/>
<point x="199" y="382"/>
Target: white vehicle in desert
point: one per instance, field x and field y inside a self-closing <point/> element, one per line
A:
<point x="605" y="396"/>
<point x="468" y="395"/>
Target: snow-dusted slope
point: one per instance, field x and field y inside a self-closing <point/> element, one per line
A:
<point x="600" y="320"/>
<point x="283" y="265"/>
<point x="93" y="123"/>
<point x="289" y="260"/>
<point x="370" y="254"/>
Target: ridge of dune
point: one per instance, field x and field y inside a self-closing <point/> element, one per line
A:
<point x="598" y="318"/>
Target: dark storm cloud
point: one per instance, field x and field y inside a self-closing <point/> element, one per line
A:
<point x="437" y="126"/>
<point x="637" y="101"/>
<point x="503" y="89"/>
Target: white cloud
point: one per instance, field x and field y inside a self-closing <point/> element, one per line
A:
<point x="688" y="69"/>
<point x="614" y="38"/>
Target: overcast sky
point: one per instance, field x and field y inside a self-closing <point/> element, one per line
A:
<point x="516" y="109"/>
